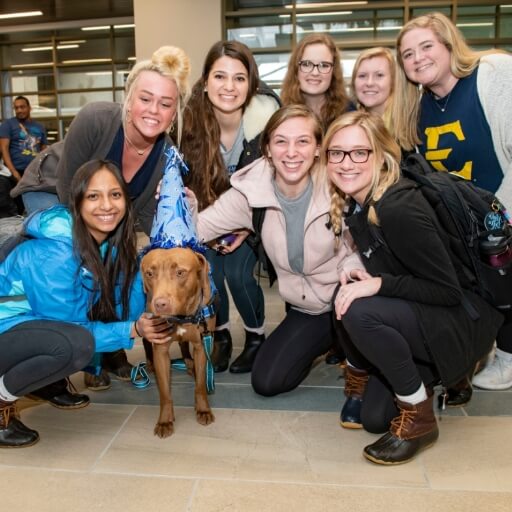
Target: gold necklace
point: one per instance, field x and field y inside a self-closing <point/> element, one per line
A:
<point x="140" y="152"/>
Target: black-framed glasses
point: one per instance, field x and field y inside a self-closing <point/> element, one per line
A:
<point x="306" y="66"/>
<point x="358" y="156"/>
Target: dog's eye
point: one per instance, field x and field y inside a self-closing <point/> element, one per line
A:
<point x="180" y="272"/>
<point x="148" y="273"/>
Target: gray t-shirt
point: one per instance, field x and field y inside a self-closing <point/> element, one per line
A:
<point x="294" y="211"/>
<point x="231" y="156"/>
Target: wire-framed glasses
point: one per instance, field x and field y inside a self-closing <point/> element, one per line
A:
<point x="358" y="156"/>
<point x="306" y="66"/>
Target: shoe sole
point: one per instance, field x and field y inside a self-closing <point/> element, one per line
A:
<point x="396" y="463"/>
<point x="7" y="447"/>
<point x="350" y="425"/>
<point x="99" y="388"/>
<point x="77" y="406"/>
<point x="498" y="387"/>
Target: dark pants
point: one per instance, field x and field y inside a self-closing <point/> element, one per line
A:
<point x="286" y="357"/>
<point x="9" y="207"/>
<point x="504" y="338"/>
<point x="237" y="269"/>
<point x="40" y="352"/>
<point x="382" y="335"/>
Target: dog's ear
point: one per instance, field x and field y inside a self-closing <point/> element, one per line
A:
<point x="205" y="278"/>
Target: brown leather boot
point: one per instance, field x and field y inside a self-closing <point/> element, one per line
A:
<point x="412" y="431"/>
<point x="13" y="434"/>
<point x="355" y="385"/>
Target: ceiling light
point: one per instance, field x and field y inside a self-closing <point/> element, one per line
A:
<point x="25" y="14"/>
<point x="99" y="27"/>
<point x="469" y="25"/>
<point x="315" y="14"/>
<point x="83" y="61"/>
<point x="47" y="48"/>
<point x="35" y="65"/>
<point x="325" y="4"/>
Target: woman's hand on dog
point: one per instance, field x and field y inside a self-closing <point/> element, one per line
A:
<point x="155" y="329"/>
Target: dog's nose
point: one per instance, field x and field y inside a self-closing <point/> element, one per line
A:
<point x="161" y="304"/>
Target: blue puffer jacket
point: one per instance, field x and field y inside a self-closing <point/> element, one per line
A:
<point x="41" y="280"/>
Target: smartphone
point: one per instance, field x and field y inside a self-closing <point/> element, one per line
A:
<point x="226" y="240"/>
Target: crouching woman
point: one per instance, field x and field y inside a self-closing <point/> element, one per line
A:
<point x="407" y="321"/>
<point x="71" y="290"/>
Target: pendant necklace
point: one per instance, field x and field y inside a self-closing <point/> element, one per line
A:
<point x="436" y="102"/>
<point x="140" y="152"/>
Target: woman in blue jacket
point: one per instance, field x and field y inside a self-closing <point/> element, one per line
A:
<point x="71" y="290"/>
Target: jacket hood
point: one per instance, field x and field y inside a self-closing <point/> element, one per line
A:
<point x="55" y="223"/>
<point x="262" y="105"/>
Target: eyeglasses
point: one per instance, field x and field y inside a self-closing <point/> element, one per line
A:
<point x="358" y="156"/>
<point x="306" y="66"/>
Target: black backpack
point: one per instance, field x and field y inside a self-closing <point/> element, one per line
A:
<point x="477" y="226"/>
<point x="254" y="240"/>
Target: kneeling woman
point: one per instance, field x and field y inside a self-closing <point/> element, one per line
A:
<point x="297" y="238"/>
<point x="69" y="291"/>
<point x="407" y="321"/>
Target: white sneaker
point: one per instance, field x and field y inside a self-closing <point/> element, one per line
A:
<point x="497" y="374"/>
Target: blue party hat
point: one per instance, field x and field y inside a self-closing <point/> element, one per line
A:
<point x="173" y="225"/>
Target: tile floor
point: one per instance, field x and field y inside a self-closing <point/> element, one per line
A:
<point x="261" y="454"/>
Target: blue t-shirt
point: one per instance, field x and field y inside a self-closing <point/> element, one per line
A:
<point x="25" y="140"/>
<point x="456" y="136"/>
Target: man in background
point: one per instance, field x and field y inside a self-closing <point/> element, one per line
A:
<point x="21" y="139"/>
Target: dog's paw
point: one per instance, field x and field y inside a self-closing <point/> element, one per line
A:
<point x="205" y="417"/>
<point x="163" y="430"/>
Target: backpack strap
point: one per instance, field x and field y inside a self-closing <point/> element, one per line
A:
<point x="258" y="216"/>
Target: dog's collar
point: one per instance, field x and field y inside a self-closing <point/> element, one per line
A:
<point x="201" y="315"/>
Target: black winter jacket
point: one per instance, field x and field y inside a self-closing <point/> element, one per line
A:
<point x="411" y="254"/>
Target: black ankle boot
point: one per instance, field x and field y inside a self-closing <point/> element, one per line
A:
<point x="243" y="363"/>
<point x="222" y="349"/>
<point x="117" y="363"/>
<point x="61" y="394"/>
<point x="13" y="434"/>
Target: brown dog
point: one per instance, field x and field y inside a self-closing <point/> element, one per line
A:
<point x="177" y="284"/>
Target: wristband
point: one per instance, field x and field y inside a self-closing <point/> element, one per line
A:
<point x="137" y="330"/>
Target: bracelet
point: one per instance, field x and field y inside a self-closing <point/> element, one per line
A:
<point x="137" y="330"/>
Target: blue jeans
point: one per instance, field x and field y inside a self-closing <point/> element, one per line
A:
<point x="34" y="201"/>
<point x="237" y="269"/>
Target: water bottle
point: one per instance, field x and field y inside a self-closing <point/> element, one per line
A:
<point x="496" y="250"/>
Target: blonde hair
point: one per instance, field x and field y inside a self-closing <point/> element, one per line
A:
<point x="371" y="53"/>
<point x="463" y="61"/>
<point x="386" y="158"/>
<point x="336" y="99"/>
<point x="170" y="62"/>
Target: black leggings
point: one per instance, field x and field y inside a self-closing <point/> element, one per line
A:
<point x="286" y="357"/>
<point x="36" y="353"/>
<point x="383" y="336"/>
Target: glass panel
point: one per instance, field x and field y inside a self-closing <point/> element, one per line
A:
<point x="23" y="55"/>
<point x="421" y="11"/>
<point x="88" y="50"/>
<point x="261" y="32"/>
<point x="124" y="46"/>
<point x="122" y="74"/>
<point x="84" y="77"/>
<point x="383" y="24"/>
<point x="476" y="27"/>
<point x="272" y="68"/>
<point x="71" y="103"/>
<point x="505" y="26"/>
<point x="52" y="129"/>
<point x="119" y="95"/>
<point x="43" y="105"/>
<point x="22" y="80"/>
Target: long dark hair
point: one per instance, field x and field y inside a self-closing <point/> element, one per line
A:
<point x="201" y="132"/>
<point x="118" y="263"/>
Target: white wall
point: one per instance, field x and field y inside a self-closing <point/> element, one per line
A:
<point x="193" y="25"/>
